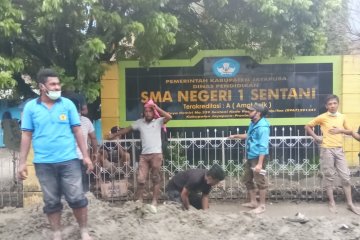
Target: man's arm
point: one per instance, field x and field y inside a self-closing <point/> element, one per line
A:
<point x="24" y="151"/>
<point x="185" y="198"/>
<point x="238" y="136"/>
<point x="336" y="130"/>
<point x="119" y="133"/>
<point x="205" y="201"/>
<point x="166" y="115"/>
<point x="81" y="143"/>
<point x="259" y="165"/>
<point x="310" y="131"/>
<point x="93" y="142"/>
<point x="347" y="130"/>
<point x="264" y="136"/>
<point x="356" y="135"/>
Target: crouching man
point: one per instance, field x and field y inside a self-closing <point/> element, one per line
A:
<point x="185" y="186"/>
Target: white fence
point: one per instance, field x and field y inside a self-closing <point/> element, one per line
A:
<point x="292" y="165"/>
<point x="11" y="193"/>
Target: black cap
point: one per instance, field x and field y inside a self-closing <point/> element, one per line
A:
<point x="255" y="107"/>
<point x="259" y="108"/>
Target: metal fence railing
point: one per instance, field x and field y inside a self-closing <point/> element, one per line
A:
<point x="11" y="193"/>
<point x="292" y="165"/>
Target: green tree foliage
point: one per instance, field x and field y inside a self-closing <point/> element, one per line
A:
<point x="77" y="36"/>
<point x="338" y="30"/>
<point x="9" y="29"/>
<point x="264" y="28"/>
<point x="352" y="29"/>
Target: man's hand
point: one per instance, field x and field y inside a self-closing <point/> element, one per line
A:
<point x="89" y="165"/>
<point x="238" y="136"/>
<point x="185" y="198"/>
<point x="151" y="104"/>
<point x="356" y="135"/>
<point x="257" y="168"/>
<point x="335" y="130"/>
<point x="318" y="139"/>
<point x="22" y="172"/>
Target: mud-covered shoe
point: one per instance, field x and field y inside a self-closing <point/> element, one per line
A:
<point x="258" y="210"/>
<point x="151" y="208"/>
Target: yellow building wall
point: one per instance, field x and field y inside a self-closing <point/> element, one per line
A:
<point x="110" y="109"/>
<point x="350" y="103"/>
<point x="31" y="186"/>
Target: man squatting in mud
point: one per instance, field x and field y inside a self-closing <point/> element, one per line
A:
<point x="184" y="186"/>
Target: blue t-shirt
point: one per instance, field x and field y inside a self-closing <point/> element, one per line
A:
<point x="52" y="137"/>
<point x="257" y="141"/>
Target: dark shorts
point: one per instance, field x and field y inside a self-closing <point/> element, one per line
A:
<point x="57" y="179"/>
<point x="85" y="177"/>
<point x="253" y="179"/>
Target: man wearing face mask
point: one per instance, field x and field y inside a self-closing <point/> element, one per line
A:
<point x="332" y="158"/>
<point x="257" y="147"/>
<point x="51" y="123"/>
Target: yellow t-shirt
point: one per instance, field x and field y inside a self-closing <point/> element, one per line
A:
<point x="326" y="122"/>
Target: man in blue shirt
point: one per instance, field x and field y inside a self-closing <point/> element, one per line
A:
<point x="257" y="147"/>
<point x="51" y="123"/>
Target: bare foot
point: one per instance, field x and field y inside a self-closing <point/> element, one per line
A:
<point x="332" y="208"/>
<point x="354" y="209"/>
<point x="85" y="235"/>
<point x="57" y="235"/>
<point x="258" y="210"/>
<point x="250" y="205"/>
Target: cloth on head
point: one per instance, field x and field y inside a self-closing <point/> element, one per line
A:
<point x="151" y="103"/>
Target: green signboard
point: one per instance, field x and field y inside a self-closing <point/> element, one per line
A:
<point x="215" y="87"/>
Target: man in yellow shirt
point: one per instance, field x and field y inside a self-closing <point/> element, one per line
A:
<point x="332" y="158"/>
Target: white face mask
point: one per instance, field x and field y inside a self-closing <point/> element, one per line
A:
<point x="53" y="95"/>
<point x="333" y="114"/>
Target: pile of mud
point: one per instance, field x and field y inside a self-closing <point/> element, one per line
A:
<point x="134" y="221"/>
